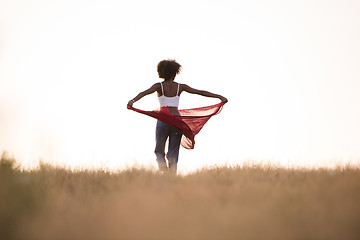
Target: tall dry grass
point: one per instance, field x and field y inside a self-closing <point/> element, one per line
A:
<point x="221" y="203"/>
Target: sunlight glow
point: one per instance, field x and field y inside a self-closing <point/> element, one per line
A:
<point x="290" y="71"/>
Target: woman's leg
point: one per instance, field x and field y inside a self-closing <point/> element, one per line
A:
<point x="173" y="150"/>
<point x="162" y="133"/>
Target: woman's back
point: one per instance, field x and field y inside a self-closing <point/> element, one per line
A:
<point x="169" y="96"/>
<point x="169" y="89"/>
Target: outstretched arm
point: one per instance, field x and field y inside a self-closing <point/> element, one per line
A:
<point x="152" y="89"/>
<point x="188" y="89"/>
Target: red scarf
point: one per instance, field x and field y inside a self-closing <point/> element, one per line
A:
<point x="190" y="121"/>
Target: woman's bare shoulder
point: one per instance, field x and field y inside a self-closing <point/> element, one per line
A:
<point x="156" y="86"/>
<point x="186" y="88"/>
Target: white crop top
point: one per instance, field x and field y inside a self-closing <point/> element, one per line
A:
<point x="169" y="101"/>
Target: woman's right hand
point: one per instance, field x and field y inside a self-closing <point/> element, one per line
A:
<point x="223" y="99"/>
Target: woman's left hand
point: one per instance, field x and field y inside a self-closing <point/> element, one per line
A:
<point x="130" y="103"/>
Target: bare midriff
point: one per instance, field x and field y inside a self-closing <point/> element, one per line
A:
<point x="174" y="111"/>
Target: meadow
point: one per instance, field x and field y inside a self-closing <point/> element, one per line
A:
<point x="253" y="202"/>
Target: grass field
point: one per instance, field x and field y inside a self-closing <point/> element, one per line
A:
<point x="220" y="203"/>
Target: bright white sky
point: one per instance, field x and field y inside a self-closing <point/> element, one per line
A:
<point x="290" y="70"/>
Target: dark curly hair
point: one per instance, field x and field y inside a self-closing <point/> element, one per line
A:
<point x="168" y="69"/>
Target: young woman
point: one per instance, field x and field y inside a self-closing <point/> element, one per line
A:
<point x="169" y="93"/>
